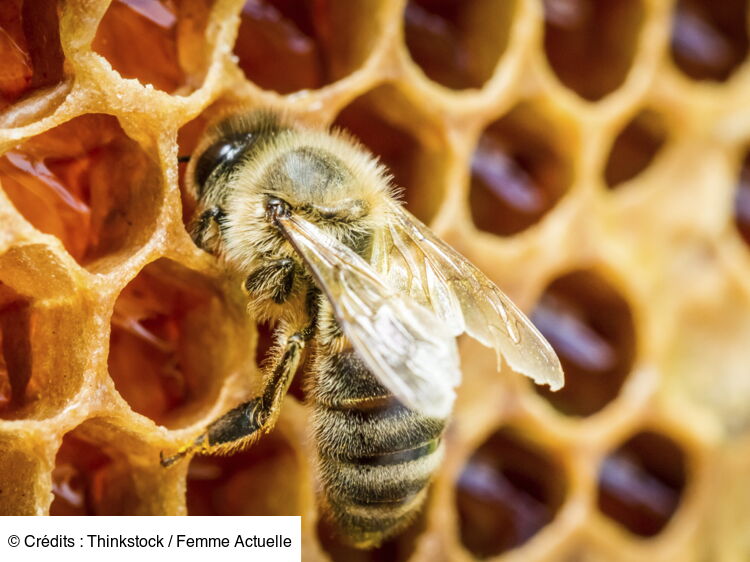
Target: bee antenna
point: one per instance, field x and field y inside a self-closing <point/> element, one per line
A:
<point x="182" y="159"/>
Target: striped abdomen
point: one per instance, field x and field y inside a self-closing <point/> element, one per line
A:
<point x="375" y="456"/>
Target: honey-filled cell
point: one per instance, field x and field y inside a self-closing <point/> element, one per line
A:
<point x="170" y="344"/>
<point x="519" y="171"/>
<point x="458" y="43"/>
<point x="159" y="42"/>
<point x="709" y="39"/>
<point x="311" y="42"/>
<point x="90" y="479"/>
<point x="591" y="44"/>
<point x="635" y="148"/>
<point x="508" y="490"/>
<point x="86" y="183"/>
<point x="262" y="479"/>
<point x="641" y="483"/>
<point x="413" y="161"/>
<point x="591" y="328"/>
<point x="30" y="49"/>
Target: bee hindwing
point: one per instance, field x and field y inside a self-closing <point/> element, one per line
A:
<point x="435" y="275"/>
<point x="404" y="344"/>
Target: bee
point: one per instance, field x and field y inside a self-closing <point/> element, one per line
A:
<point x="366" y="293"/>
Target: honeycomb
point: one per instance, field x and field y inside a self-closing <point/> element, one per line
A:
<point x="591" y="156"/>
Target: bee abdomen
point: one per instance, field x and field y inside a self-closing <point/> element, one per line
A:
<point x="376" y="457"/>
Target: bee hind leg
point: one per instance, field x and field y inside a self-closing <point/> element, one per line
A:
<point x="248" y="421"/>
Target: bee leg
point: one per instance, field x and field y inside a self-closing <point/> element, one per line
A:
<point x="271" y="282"/>
<point x="205" y="229"/>
<point x="246" y="422"/>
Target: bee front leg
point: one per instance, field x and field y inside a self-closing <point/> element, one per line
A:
<point x="245" y="423"/>
<point x="205" y="229"/>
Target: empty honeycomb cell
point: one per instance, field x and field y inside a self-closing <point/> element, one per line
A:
<point x="158" y="42"/>
<point x="86" y="183"/>
<point x="590" y="326"/>
<point x="29" y="48"/>
<point x="641" y="483"/>
<point x="635" y="147"/>
<point x="458" y="43"/>
<point x="261" y="480"/>
<point x="311" y="42"/>
<point x="412" y="160"/>
<point x="709" y="39"/>
<point x="90" y="478"/>
<point x="519" y="171"/>
<point x="742" y="200"/>
<point x="591" y="44"/>
<point x="170" y="344"/>
<point x="508" y="490"/>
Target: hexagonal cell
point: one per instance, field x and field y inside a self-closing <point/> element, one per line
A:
<point x="88" y="184"/>
<point x="414" y="155"/>
<point x="261" y="480"/>
<point x="90" y="478"/>
<point x="590" y="44"/>
<point x="709" y="39"/>
<point x="635" y="147"/>
<point x="641" y="483"/>
<point x="519" y="171"/>
<point x="508" y="491"/>
<point x="158" y="42"/>
<point x="458" y="43"/>
<point x="590" y="326"/>
<point x="171" y="344"/>
<point x="313" y="42"/>
<point x="742" y="200"/>
<point x="29" y="48"/>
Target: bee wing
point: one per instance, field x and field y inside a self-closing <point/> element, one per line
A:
<point x="435" y="275"/>
<point x="403" y="343"/>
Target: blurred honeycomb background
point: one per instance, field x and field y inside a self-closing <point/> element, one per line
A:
<point x="590" y="155"/>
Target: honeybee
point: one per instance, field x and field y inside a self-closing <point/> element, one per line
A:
<point x="308" y="219"/>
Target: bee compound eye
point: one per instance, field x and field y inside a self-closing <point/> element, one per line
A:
<point x="223" y="153"/>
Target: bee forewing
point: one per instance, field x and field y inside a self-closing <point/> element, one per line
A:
<point x="464" y="298"/>
<point x="408" y="349"/>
